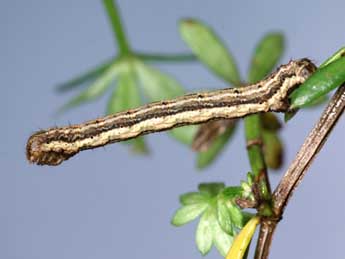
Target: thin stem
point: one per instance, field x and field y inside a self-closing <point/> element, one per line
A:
<point x="257" y="162"/>
<point x="115" y="20"/>
<point x="299" y="167"/>
<point x="158" y="57"/>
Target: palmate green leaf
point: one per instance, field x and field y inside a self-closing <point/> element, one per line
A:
<point x="206" y="158"/>
<point x="98" y="88"/>
<point x="231" y="192"/>
<point x="320" y="83"/>
<point x="159" y="86"/>
<point x="127" y="96"/>
<point x="221" y="239"/>
<point x="237" y="217"/>
<point x="209" y="232"/>
<point x="194" y="198"/>
<point x="246" y="217"/>
<point x="188" y="213"/>
<point x="209" y="48"/>
<point x="211" y="188"/>
<point x="85" y="77"/>
<point x="227" y="203"/>
<point x="223" y="216"/>
<point x="204" y="231"/>
<point x="266" y="55"/>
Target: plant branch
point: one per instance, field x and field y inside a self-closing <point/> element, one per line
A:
<point x="309" y="150"/>
<point x="299" y="167"/>
<point x="158" y="57"/>
<point x="119" y="32"/>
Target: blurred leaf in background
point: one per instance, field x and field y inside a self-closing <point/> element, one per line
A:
<point x="212" y="52"/>
<point x="124" y="73"/>
<point x="159" y="86"/>
<point x="266" y="56"/>
<point x="126" y="96"/>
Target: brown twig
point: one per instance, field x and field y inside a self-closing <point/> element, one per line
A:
<point x="298" y="169"/>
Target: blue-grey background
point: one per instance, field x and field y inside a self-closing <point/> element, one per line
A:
<point x="107" y="203"/>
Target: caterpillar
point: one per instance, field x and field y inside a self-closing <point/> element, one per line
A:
<point x="55" y="145"/>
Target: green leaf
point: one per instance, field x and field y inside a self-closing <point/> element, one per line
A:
<point x="318" y="101"/>
<point x="127" y="96"/>
<point x="223" y="216"/>
<point x="250" y="178"/>
<point x="194" y="198"/>
<point x="320" y="83"/>
<point x="209" y="48"/>
<point x="211" y="188"/>
<point x="266" y="55"/>
<point x="188" y="213"/>
<point x="289" y="115"/>
<point x="139" y="146"/>
<point x="206" y="158"/>
<point x="98" y="88"/>
<point x="184" y="134"/>
<point x="340" y="53"/>
<point x="246" y="190"/>
<point x="221" y="240"/>
<point x="85" y="77"/>
<point x="322" y="100"/>
<point x="273" y="149"/>
<point x="232" y="192"/>
<point x="204" y="231"/>
<point x="159" y="86"/>
<point x="246" y="217"/>
<point x="235" y="214"/>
